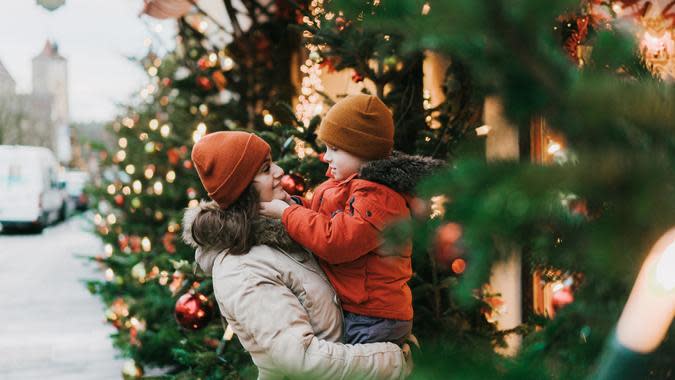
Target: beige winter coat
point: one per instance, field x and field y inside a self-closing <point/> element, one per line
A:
<point x="287" y="315"/>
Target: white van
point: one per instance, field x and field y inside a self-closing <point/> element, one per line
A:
<point x="30" y="194"/>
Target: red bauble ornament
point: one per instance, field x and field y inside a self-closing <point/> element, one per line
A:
<point x="193" y="311"/>
<point x="123" y="242"/>
<point x="204" y="83"/>
<point x="340" y="23"/>
<point x="458" y="266"/>
<point x="191" y="193"/>
<point x="562" y="298"/>
<point x="219" y="79"/>
<point x="293" y="184"/>
<point x="447" y="247"/>
<point x="579" y="207"/>
<point x="203" y="63"/>
<point x="168" y="240"/>
<point x="119" y="199"/>
<point x="173" y="155"/>
<point x="328" y="65"/>
<point x="187" y="164"/>
<point x="135" y="243"/>
<point x="166" y="82"/>
<point x="357" y="77"/>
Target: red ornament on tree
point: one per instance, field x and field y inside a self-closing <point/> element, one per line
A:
<point x="458" y="266"/>
<point x="579" y="207"/>
<point x="447" y="247"/>
<point x="219" y="79"/>
<point x="168" y="240"/>
<point x="562" y="298"/>
<point x="166" y="82"/>
<point x="193" y="311"/>
<point x="293" y="184"/>
<point x="204" y="83"/>
<point x="357" y="77"/>
<point x="340" y="23"/>
<point x="135" y="243"/>
<point x="173" y="155"/>
<point x="187" y="164"/>
<point x="119" y="199"/>
<point x="191" y="193"/>
<point x="328" y="65"/>
<point x="203" y="63"/>
<point x="123" y="242"/>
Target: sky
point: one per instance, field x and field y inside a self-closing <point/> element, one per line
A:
<point x="96" y="36"/>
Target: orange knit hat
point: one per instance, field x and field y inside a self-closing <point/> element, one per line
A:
<point x="361" y="125"/>
<point x="227" y="162"/>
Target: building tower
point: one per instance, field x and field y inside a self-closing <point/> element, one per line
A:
<point x="50" y="78"/>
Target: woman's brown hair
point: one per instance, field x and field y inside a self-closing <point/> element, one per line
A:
<point x="211" y="227"/>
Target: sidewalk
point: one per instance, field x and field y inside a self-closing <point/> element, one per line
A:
<point x="50" y="326"/>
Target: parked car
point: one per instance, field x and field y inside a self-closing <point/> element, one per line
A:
<point x="75" y="182"/>
<point x="30" y="194"/>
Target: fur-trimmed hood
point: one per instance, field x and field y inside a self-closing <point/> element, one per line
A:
<point x="264" y="231"/>
<point x="400" y="172"/>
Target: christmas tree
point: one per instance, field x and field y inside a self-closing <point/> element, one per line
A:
<point x="215" y="79"/>
<point x="585" y="191"/>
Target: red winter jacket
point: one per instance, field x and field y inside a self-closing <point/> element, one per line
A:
<point x="342" y="226"/>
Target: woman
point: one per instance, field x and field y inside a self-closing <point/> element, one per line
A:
<point x="269" y="289"/>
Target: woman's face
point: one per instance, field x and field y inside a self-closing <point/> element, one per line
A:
<point x="268" y="181"/>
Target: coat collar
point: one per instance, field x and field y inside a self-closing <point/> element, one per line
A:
<point x="400" y="172"/>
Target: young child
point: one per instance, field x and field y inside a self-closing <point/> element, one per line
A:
<point x="368" y="190"/>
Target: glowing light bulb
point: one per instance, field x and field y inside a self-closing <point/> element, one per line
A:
<point x="111" y="189"/>
<point x="268" y="119"/>
<point x="165" y="130"/>
<point x="227" y="64"/>
<point x="158" y="188"/>
<point x="153" y="124"/>
<point x="170" y="176"/>
<point x="122" y="142"/>
<point x="553" y="147"/>
<point x="149" y="172"/>
<point x="130" y="169"/>
<point x="109" y="274"/>
<point x="145" y="244"/>
<point x="137" y="186"/>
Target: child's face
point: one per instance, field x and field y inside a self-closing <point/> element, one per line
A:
<point x="268" y="181"/>
<point x="342" y="164"/>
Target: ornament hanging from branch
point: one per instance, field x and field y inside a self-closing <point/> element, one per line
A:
<point x="163" y="9"/>
<point x="193" y="311"/>
<point x="51" y="5"/>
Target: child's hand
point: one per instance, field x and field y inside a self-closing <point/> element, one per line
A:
<point x="273" y="209"/>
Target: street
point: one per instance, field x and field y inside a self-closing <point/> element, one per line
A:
<point x="50" y="326"/>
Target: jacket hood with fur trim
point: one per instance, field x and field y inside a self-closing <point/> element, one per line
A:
<point x="400" y="172"/>
<point x="264" y="231"/>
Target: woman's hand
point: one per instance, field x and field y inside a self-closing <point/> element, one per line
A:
<point x="273" y="209"/>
